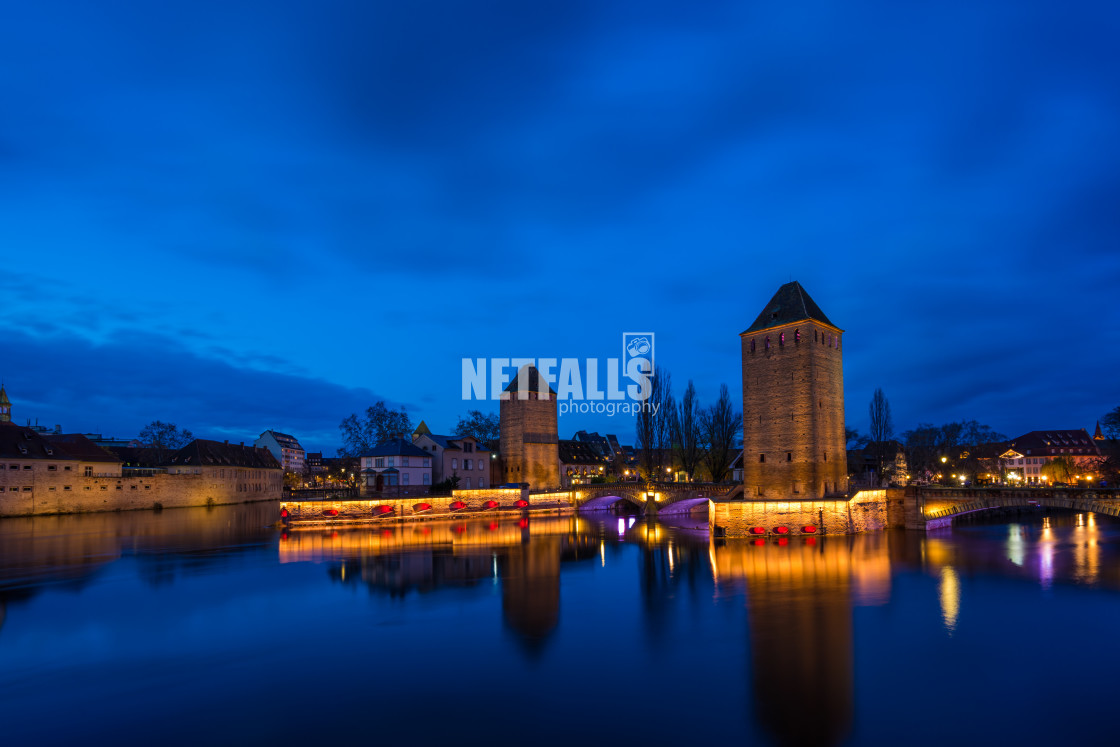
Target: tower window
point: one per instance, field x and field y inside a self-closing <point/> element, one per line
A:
<point x="782" y="339"/>
<point x="752" y="346"/>
<point x="796" y="336"/>
<point x="789" y="456"/>
<point x="826" y="456"/>
<point x="761" y="457"/>
<point x="767" y="342"/>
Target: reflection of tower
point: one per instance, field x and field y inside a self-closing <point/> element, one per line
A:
<point x="531" y="590"/>
<point x="529" y="440"/>
<point x="800" y="619"/>
<point x="5" y="406"/>
<point x="793" y="401"/>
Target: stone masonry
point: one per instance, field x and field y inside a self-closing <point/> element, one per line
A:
<point x="529" y="435"/>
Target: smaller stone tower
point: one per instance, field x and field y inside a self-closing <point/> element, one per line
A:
<point x="529" y="436"/>
<point x="5" y="406"/>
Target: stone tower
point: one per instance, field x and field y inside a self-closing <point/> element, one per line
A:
<point x="5" y="406"/>
<point x="793" y="401"/>
<point x="529" y="439"/>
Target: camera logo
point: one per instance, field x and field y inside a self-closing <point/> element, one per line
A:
<point x="637" y="346"/>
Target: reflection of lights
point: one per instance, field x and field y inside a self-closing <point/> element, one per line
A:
<point x="622" y="527"/>
<point x="1015" y="544"/>
<point x="631" y="523"/>
<point x="603" y="553"/>
<point x="950" y="594"/>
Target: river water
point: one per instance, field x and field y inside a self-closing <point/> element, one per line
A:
<point x="205" y="626"/>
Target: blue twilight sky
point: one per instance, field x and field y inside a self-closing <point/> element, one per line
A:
<point x="240" y="215"/>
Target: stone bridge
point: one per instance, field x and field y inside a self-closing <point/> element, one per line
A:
<point x="930" y="508"/>
<point x="650" y="498"/>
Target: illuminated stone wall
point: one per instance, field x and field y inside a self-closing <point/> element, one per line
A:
<point x="62" y="491"/>
<point x="793" y="412"/>
<point x="365" y="509"/>
<point x="866" y="511"/>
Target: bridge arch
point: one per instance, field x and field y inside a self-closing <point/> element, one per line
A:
<point x="944" y="513"/>
<point x="606" y="502"/>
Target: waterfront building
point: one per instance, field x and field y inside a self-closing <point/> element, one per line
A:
<point x="793" y="401"/>
<point x="396" y="462"/>
<point x="1026" y="456"/>
<point x="285" y="448"/>
<point x="580" y="461"/>
<point x="529" y="435"/>
<point x="68" y="473"/>
<point x="462" y="456"/>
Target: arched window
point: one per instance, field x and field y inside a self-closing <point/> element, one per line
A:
<point x="767" y="342"/>
<point x="782" y="339"/>
<point x="752" y="346"/>
<point x="796" y="336"/>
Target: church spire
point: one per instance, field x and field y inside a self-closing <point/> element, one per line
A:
<point x="1098" y="436"/>
<point x="6" y="406"/>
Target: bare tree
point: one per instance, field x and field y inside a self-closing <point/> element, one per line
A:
<point x="720" y="426"/>
<point x="654" y="426"/>
<point x="360" y="435"/>
<point x="881" y="428"/>
<point x="1110" y="424"/>
<point x="164" y="438"/>
<point x="483" y="426"/>
<point x="687" y="436"/>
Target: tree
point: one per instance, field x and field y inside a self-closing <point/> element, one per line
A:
<point x="1059" y="469"/>
<point x="882" y="430"/>
<point x="360" y="435"/>
<point x="686" y="437"/>
<point x="654" y="425"/>
<point x="164" y="438"/>
<point x="1110" y="424"/>
<point x="854" y="440"/>
<point x="483" y="426"/>
<point x="720" y="426"/>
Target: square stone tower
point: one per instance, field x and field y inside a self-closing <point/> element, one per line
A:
<point x="793" y="401"/>
<point x="530" y="443"/>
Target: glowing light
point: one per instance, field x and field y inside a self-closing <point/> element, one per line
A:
<point x="603" y="553"/>
<point x="631" y="522"/>
<point x="622" y="527"/>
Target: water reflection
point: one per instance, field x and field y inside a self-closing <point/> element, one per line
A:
<point x="561" y="584"/>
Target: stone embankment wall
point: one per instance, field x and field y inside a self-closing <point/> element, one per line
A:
<point x="866" y="511"/>
<point x="930" y="508"/>
<point x="364" y="509"/>
<point x="79" y="494"/>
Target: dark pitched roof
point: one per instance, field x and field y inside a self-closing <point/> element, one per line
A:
<point x="21" y="442"/>
<point x="284" y="439"/>
<point x="81" y="448"/>
<point x="136" y="456"/>
<point x="533" y="380"/>
<point x="1059" y="443"/>
<point x="202" y="452"/>
<point x="396" y="447"/>
<point x="578" y="452"/>
<point x="790" y="304"/>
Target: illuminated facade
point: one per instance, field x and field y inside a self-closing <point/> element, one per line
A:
<point x="529" y="441"/>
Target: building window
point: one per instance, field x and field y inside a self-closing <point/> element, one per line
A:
<point x="392" y="461"/>
<point x="66" y="468"/>
<point x="427" y="461"/>
<point x="782" y="340"/>
<point x="761" y="458"/>
<point x="767" y="342"/>
<point x="468" y="464"/>
<point x="379" y="462"/>
<point x="468" y="483"/>
<point x="88" y="471"/>
<point x="65" y="487"/>
<point x="796" y="336"/>
<point x="454" y="464"/>
<point x="13" y="466"/>
<point x="52" y="467"/>
<point x="468" y="447"/>
<point x="27" y="490"/>
<point x="789" y="456"/>
<point x="404" y="461"/>
<point x="481" y="483"/>
<point x="27" y="466"/>
<point x="427" y="479"/>
<point x="752" y="346"/>
<point x="404" y="478"/>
